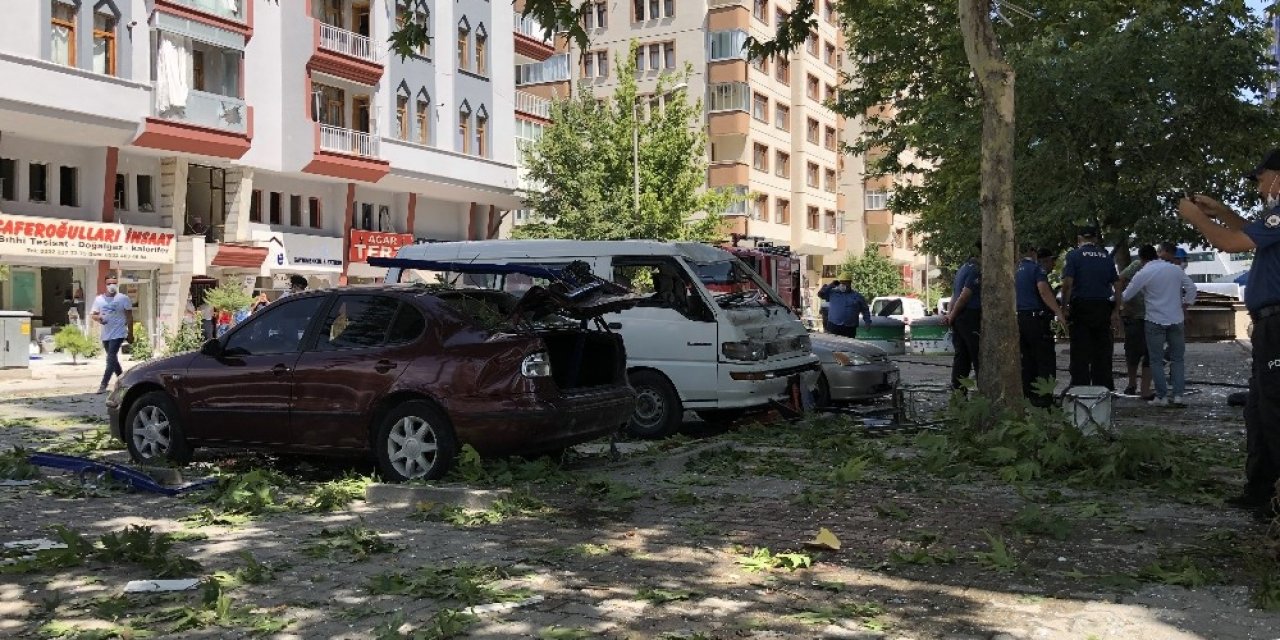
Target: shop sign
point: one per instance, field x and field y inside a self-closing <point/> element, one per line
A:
<point x="376" y="244"/>
<point x="309" y="252"/>
<point x="57" y="238"/>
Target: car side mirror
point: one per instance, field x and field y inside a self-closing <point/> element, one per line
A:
<point x="212" y="348"/>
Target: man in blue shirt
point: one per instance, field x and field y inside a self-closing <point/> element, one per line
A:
<point x="1091" y="295"/>
<point x="1036" y="309"/>
<point x="965" y="318"/>
<point x="843" y="308"/>
<point x="1235" y="234"/>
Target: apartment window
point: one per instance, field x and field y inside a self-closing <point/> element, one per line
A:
<point x="8" y="179"/>
<point x="121" y="198"/>
<point x="875" y="200"/>
<point x="782" y="165"/>
<point x="68" y="186"/>
<point x="423" y="115"/>
<point x="829" y="12"/>
<point x="274" y="209"/>
<point x="830" y="92"/>
<point x="811" y="131"/>
<point x="62" y="33"/>
<point x="655" y="57"/>
<point x="464" y="46"/>
<point x="639" y="59"/>
<point x="38" y="182"/>
<point x="313" y="213"/>
<point x="669" y="54"/>
<point x="811" y="44"/>
<point x="402" y="116"/>
<point x="811" y="175"/>
<point x="782" y="211"/>
<point x="761" y="10"/>
<point x="418" y="14"/>
<point x="782" y="71"/>
<point x="760" y="158"/>
<point x="829" y="220"/>
<point x="829" y="180"/>
<point x="638" y="11"/>
<point x="726" y="45"/>
<point x="602" y="15"/>
<point x="104" y="42"/>
<point x="829" y="138"/>
<point x="144" y="194"/>
<point x="295" y="211"/>
<point x="729" y="96"/>
<point x="829" y="54"/>
<point x="255" y="206"/>
<point x="464" y="130"/>
<point x="760" y="207"/>
<point x="811" y="88"/>
<point x="654" y="7"/>
<point x="668" y="8"/>
<point x="482" y="52"/>
<point x="482" y="135"/>
<point x="761" y="65"/>
<point x="760" y="107"/>
<point x="602" y="64"/>
<point x="589" y="65"/>
<point x="813" y="220"/>
<point x="782" y="117"/>
<point x="780" y="17"/>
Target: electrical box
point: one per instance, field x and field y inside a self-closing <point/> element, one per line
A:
<point x="15" y="339"/>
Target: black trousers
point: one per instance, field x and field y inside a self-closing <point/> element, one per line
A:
<point x="1262" y="411"/>
<point x="964" y="337"/>
<point x="1092" y="344"/>
<point x="1035" y="339"/>
<point x="841" y="330"/>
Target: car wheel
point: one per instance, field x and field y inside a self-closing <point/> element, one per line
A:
<point x="415" y="442"/>
<point x="658" y="410"/>
<point x="822" y="392"/>
<point x="153" y="431"/>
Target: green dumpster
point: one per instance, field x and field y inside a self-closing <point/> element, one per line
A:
<point x="930" y="337"/>
<point x="887" y="333"/>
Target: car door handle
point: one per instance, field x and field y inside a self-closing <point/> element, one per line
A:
<point x="384" y="366"/>
<point x="615" y="325"/>
<point x="280" y="369"/>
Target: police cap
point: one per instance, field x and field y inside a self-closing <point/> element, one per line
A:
<point x="1271" y="162"/>
<point x="1088" y="231"/>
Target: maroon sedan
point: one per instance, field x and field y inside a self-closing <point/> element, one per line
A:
<point x="407" y="373"/>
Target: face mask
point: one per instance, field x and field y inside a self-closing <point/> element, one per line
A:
<point x="112" y="289"/>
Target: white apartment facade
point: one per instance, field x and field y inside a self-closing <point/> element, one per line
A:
<point x="179" y="141"/>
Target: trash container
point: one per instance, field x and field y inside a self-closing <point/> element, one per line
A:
<point x="887" y="333"/>
<point x="930" y="337"/>
<point x="15" y="339"/>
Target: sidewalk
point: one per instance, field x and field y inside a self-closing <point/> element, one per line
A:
<point x="55" y="372"/>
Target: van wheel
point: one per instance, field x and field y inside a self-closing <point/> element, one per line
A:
<point x="658" y="410"/>
<point x="153" y="431"/>
<point x="415" y="442"/>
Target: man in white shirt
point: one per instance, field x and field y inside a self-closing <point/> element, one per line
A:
<point x="1167" y="292"/>
<point x="114" y="311"/>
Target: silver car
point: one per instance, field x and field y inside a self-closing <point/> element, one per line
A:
<point x="852" y="370"/>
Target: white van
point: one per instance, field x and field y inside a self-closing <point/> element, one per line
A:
<point x="712" y="338"/>
<point x="899" y="308"/>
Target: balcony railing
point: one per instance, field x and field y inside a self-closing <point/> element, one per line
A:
<point x="229" y="9"/>
<point x="533" y="105"/>
<point x="208" y="110"/>
<point x="527" y="26"/>
<point x="553" y="69"/>
<point x="356" y="143"/>
<point x="346" y="42"/>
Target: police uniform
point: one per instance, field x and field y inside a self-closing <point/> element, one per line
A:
<point x="964" y="331"/>
<point x="1093" y="274"/>
<point x="1035" y="331"/>
<point x="1262" y="411"/>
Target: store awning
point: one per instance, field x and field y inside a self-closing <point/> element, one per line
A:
<point x="239" y="255"/>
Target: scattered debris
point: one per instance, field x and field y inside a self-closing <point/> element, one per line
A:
<point x="156" y="586"/>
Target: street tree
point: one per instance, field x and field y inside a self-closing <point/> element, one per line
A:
<point x="872" y="274"/>
<point x="585" y="166"/>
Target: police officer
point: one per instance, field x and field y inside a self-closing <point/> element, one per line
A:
<point x="1036" y="309"/>
<point x="1091" y="293"/>
<point x="1262" y="297"/>
<point x="965" y="318"/>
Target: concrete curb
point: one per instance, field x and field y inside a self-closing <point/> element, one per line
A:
<point x="400" y="495"/>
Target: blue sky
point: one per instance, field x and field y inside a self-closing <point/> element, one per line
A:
<point x="1257" y="5"/>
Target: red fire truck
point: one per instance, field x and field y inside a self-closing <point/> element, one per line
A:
<point x="776" y="265"/>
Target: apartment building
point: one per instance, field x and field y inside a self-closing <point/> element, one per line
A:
<point x="175" y="142"/>
<point x="770" y="134"/>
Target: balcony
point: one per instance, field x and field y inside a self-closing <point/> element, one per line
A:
<point x="553" y="69"/>
<point x="344" y="54"/>
<point x="233" y="10"/>
<point x="348" y="141"/>
<point x="531" y="105"/>
<point x="209" y="124"/>
<point x="880" y="218"/>
<point x="209" y="110"/>
<point x="347" y="154"/>
<point x="347" y="43"/>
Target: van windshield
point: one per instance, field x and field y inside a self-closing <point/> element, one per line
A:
<point x="886" y="307"/>
<point x="733" y="284"/>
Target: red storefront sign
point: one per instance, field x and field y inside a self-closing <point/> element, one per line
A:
<point x="376" y="244"/>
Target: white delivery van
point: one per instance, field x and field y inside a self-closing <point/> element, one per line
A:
<point x="899" y="308"/>
<point x="711" y="338"/>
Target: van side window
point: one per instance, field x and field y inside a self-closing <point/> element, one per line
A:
<point x="665" y="282"/>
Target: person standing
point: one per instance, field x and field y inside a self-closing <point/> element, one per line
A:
<point x="845" y="305"/>
<point x="1036" y="309"/>
<point x="1228" y="231"/>
<point x="114" y="311"/>
<point x="1133" y="315"/>
<point x="965" y="319"/>
<point x="297" y="284"/>
<point x="1167" y="292"/>
<point x="1091" y="291"/>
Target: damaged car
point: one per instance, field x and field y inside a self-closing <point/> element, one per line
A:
<point x="406" y="374"/>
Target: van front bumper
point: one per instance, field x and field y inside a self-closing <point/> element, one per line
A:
<point x="746" y="386"/>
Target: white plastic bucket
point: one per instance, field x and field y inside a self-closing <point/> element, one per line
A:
<point x="1088" y="408"/>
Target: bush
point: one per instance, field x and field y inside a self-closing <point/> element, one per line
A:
<point x="141" y="350"/>
<point x="188" y="337"/>
<point x="228" y="296"/>
<point x="70" y="339"/>
<point x="872" y="274"/>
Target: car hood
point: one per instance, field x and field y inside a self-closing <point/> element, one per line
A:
<point x="828" y="342"/>
<point x="153" y="368"/>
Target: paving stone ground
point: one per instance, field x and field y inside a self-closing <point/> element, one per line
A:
<point x="672" y="521"/>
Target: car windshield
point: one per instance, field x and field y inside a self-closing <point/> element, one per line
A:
<point x="886" y="307"/>
<point x="733" y="284"/>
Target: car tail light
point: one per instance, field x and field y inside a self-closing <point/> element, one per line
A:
<point x="536" y="365"/>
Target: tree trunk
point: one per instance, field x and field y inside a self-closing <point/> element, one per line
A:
<point x="999" y="378"/>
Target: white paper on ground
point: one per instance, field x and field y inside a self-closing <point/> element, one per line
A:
<point x="149" y="586"/>
<point x="35" y="544"/>
<point x="503" y="606"/>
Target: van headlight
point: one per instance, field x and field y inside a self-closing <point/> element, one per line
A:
<point x="536" y="365"/>
<point x="746" y="350"/>
<point x="846" y="359"/>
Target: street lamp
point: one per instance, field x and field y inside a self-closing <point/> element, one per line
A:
<point x="635" y="144"/>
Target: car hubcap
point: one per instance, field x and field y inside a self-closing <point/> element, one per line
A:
<point x="151" y="432"/>
<point x="649" y="408"/>
<point x="412" y="447"/>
